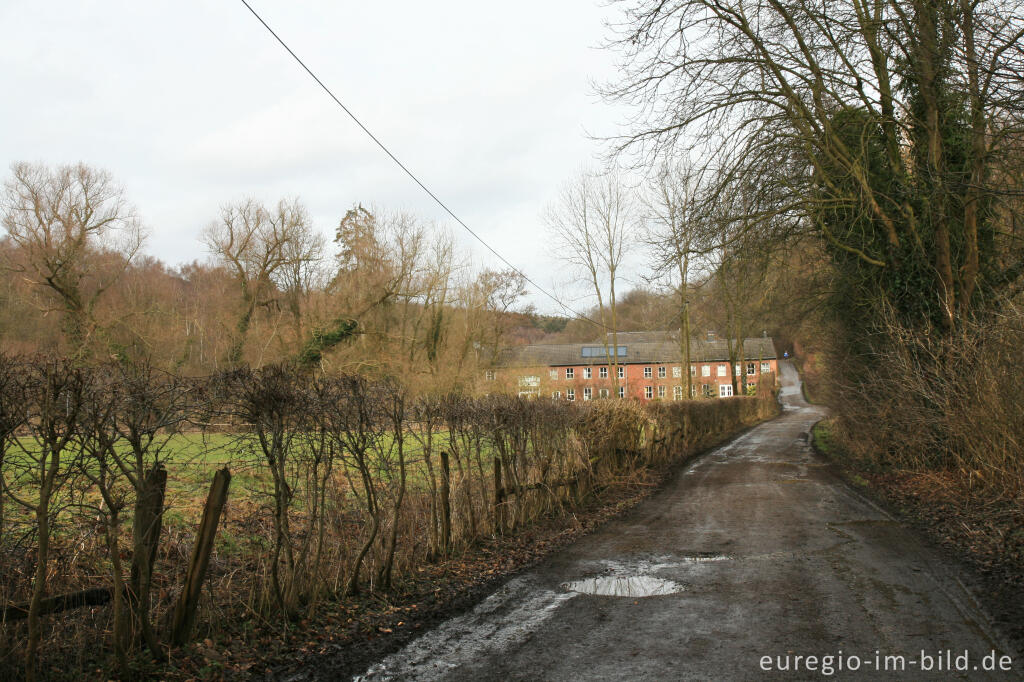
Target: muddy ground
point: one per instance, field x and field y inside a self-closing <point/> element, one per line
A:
<point x="758" y="549"/>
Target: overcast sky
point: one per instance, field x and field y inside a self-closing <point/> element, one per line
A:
<point x="193" y="104"/>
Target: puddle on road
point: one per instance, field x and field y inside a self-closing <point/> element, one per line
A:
<point x="704" y="557"/>
<point x="628" y="586"/>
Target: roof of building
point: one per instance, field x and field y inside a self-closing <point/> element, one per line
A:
<point x="636" y="352"/>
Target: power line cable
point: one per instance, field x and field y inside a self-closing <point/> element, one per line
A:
<point x="413" y="176"/>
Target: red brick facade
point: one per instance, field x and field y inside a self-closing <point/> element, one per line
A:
<point x="665" y="381"/>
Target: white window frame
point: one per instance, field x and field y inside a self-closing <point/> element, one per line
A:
<point x="588" y="393"/>
<point x="677" y="372"/>
<point x="602" y="372"/>
<point x="648" y="373"/>
<point x="570" y="373"/>
<point x="662" y="372"/>
<point x="751" y="369"/>
<point x="739" y="369"/>
<point x="705" y="370"/>
<point x="621" y="371"/>
<point x="602" y="393"/>
<point x="723" y="370"/>
<point x="622" y="391"/>
<point x="553" y="374"/>
<point x="766" y="367"/>
<point x="693" y="370"/>
<point x="489" y="375"/>
<point x="555" y="395"/>
<point x="707" y="390"/>
<point x="649" y="392"/>
<point x="661" y="392"/>
<point x="725" y="390"/>
<point x="587" y="373"/>
<point x="570" y="394"/>
<point x="677" y="393"/>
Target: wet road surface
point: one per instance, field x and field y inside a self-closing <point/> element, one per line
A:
<point x="756" y="549"/>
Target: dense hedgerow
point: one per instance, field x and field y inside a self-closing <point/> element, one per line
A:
<point x="340" y="484"/>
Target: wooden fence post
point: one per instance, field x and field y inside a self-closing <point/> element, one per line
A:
<point x="446" y="508"/>
<point x="499" y="498"/>
<point x="188" y="600"/>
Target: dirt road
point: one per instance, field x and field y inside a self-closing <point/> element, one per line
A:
<point x="755" y="550"/>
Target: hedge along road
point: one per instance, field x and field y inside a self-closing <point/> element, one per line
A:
<point x="757" y="549"/>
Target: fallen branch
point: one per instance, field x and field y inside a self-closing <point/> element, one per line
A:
<point x="94" y="596"/>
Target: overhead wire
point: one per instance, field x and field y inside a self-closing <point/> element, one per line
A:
<point x="415" y="179"/>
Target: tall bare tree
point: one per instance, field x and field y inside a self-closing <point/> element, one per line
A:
<point x="677" y="234"/>
<point x="593" y="224"/>
<point x="887" y="127"/>
<point x="257" y="245"/>
<point x="76" y="233"/>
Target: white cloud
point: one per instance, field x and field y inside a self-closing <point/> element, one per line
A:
<point x="191" y="105"/>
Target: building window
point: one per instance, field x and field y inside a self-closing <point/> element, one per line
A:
<point x="723" y="370"/>
<point x="622" y="391"/>
<point x="602" y="393"/>
<point x="602" y="372"/>
<point x="556" y="394"/>
<point x="553" y="374"/>
<point x="705" y="370"/>
<point x="648" y="373"/>
<point x="708" y="390"/>
<point x="693" y="370"/>
<point x="621" y="372"/>
<point x="725" y="391"/>
<point x="587" y="373"/>
<point x="661" y="373"/>
<point x="570" y="394"/>
<point x="677" y="372"/>
<point x="570" y="373"/>
<point x="601" y="352"/>
<point x="693" y="390"/>
<point x="766" y="367"/>
<point x="588" y="393"/>
<point x="489" y="375"/>
<point x="677" y="393"/>
<point x="529" y="386"/>
<point x="751" y="369"/>
<point x="648" y="392"/>
<point x="661" y="392"/>
<point x="739" y="369"/>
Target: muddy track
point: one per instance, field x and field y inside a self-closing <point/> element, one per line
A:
<point x="756" y="549"/>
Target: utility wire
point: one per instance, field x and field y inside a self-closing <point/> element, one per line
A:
<point x="413" y="176"/>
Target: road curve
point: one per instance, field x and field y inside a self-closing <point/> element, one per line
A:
<point x="757" y="549"/>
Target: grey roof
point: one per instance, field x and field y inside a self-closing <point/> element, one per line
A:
<point x="641" y="352"/>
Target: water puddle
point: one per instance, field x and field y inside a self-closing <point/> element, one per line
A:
<point x="624" y="586"/>
<point x="704" y="557"/>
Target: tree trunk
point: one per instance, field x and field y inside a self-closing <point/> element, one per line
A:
<point x="446" y="509"/>
<point x="149" y="509"/>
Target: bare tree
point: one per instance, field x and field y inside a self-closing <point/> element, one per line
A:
<point x="677" y="233"/>
<point x="45" y="464"/>
<point x="303" y="269"/>
<point x="887" y="127"/>
<point x="592" y="223"/>
<point x="258" y="246"/>
<point x="77" y="234"/>
<point x="12" y="418"/>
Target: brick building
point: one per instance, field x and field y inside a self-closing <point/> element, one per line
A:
<point x="649" y="367"/>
